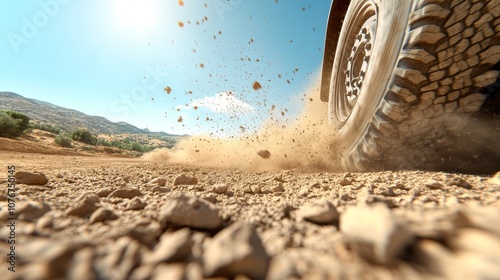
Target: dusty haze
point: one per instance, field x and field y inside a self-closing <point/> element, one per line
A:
<point x="307" y="142"/>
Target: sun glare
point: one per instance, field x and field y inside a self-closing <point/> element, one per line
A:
<point x="136" y="15"/>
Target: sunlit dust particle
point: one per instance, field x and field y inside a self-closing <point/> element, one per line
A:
<point x="168" y="90"/>
<point x="179" y="119"/>
<point x="202" y="65"/>
<point x="206" y="18"/>
<point x="195" y="107"/>
<point x="181" y="3"/>
<point x="180" y="23"/>
<point x="283" y="114"/>
<point x="256" y="86"/>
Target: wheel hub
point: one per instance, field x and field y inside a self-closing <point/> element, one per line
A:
<point x="358" y="60"/>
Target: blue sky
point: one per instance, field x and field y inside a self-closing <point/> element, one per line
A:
<point x="117" y="58"/>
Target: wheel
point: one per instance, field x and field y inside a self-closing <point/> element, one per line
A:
<point x="405" y="72"/>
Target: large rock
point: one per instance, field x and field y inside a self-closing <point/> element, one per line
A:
<point x="236" y="250"/>
<point x="29" y="178"/>
<point x="84" y="205"/>
<point x="190" y="211"/>
<point x="31" y="211"/>
<point x="173" y="247"/>
<point x="117" y="260"/>
<point x="374" y="233"/>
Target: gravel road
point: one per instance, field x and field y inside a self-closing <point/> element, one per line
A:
<point x="83" y="217"/>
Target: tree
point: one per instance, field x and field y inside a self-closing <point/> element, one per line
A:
<point x="84" y="136"/>
<point x="13" y="124"/>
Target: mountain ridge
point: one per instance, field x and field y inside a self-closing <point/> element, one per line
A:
<point x="67" y="119"/>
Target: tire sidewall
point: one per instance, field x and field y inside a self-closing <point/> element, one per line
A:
<point x="392" y="18"/>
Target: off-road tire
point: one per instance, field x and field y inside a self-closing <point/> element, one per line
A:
<point x="427" y="63"/>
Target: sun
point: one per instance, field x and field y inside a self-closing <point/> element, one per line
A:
<point x="136" y="15"/>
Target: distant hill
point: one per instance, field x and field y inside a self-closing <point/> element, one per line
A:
<point x="67" y="119"/>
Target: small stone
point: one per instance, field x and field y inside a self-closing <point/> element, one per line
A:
<point x="265" y="154"/>
<point x="320" y="212"/>
<point x="117" y="258"/>
<point x="125" y="193"/>
<point x="59" y="176"/>
<point x="460" y="182"/>
<point x="279" y="178"/>
<point x="277" y="188"/>
<point x="386" y="191"/>
<point x="159" y="189"/>
<point x="256" y="189"/>
<point x="369" y="199"/>
<point x="84" y="205"/>
<point x="146" y="233"/>
<point x="43" y="251"/>
<point x="210" y="197"/>
<point x="82" y="265"/>
<point x="191" y="211"/>
<point x="495" y="180"/>
<point x="185" y="180"/>
<point x="160" y="182"/>
<point x="31" y="211"/>
<point x="104" y="193"/>
<point x="434" y="185"/>
<point x="374" y="233"/>
<point x="102" y="214"/>
<point x="29" y="178"/>
<point x="45" y="222"/>
<point x="143" y="272"/>
<point x="236" y="250"/>
<point x="345" y="182"/>
<point x="173" y="247"/>
<point x="169" y="271"/>
<point x="220" y="188"/>
<point x="136" y="204"/>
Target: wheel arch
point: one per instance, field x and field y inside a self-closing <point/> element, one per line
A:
<point x="333" y="28"/>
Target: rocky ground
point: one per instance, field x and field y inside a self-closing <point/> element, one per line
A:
<point x="82" y="217"/>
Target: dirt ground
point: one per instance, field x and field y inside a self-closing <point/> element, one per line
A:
<point x="103" y="217"/>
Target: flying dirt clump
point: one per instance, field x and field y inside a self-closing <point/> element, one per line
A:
<point x="307" y="142"/>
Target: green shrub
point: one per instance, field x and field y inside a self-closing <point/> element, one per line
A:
<point x="63" y="141"/>
<point x="46" y="127"/>
<point x="9" y="126"/>
<point x="23" y="120"/>
<point x="84" y="136"/>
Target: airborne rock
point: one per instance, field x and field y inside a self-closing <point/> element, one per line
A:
<point x="265" y="154"/>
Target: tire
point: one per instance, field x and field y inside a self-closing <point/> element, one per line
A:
<point x="404" y="74"/>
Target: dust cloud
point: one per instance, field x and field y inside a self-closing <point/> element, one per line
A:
<point x="305" y="143"/>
